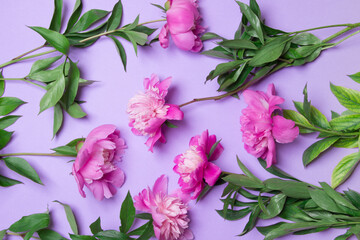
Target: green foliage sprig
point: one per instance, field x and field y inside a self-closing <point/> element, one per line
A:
<point x="39" y="224"/>
<point x="308" y="208"/>
<point x="342" y="131"/>
<point x="258" y="50"/>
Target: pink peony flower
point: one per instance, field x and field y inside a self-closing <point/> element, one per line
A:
<point x="169" y="212"/>
<point x="194" y="165"/>
<point x="261" y="128"/>
<point x="95" y="165"/>
<point x="148" y="111"/>
<point x="183" y="23"/>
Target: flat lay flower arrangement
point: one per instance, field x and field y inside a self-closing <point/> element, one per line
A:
<point x="107" y="130"/>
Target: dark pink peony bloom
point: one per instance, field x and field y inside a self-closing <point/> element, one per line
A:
<point x="169" y="212"/>
<point x="183" y="23"/>
<point x="95" y="165"/>
<point x="194" y="166"/>
<point x="148" y="111"/>
<point x="261" y="128"/>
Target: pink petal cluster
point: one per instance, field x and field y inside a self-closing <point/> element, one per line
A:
<point x="169" y="212"/>
<point x="148" y="111"/>
<point x="194" y="166"/>
<point x="95" y="165"/>
<point x="261" y="128"/>
<point x="183" y="23"/>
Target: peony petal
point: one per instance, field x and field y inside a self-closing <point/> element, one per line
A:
<point x="116" y="177"/>
<point x="256" y="100"/>
<point x="164" y="86"/>
<point x="154" y="125"/>
<point x="152" y="140"/>
<point x="79" y="180"/>
<point x="96" y="187"/>
<point x="184" y="41"/>
<point x="284" y="130"/>
<point x="271" y="153"/>
<point x="160" y="186"/>
<point x="164" y="37"/>
<point x="198" y="190"/>
<point x="179" y="20"/>
<point x="211" y="173"/>
<point x="174" y="112"/>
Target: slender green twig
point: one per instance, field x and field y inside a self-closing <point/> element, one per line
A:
<point x="28" y="52"/>
<point x="34" y="154"/>
<point x="25" y="58"/>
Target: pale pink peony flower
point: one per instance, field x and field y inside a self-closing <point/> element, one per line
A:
<point x="148" y="111"/>
<point x="95" y="165"/>
<point x="261" y="128"/>
<point x="194" y="166"/>
<point x="169" y="212"/>
<point x="183" y="23"/>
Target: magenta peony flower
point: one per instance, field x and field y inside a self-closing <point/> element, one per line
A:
<point x="194" y="165"/>
<point x="169" y="212"/>
<point x="261" y="128"/>
<point x="183" y="23"/>
<point x="148" y="110"/>
<point x="95" y="166"/>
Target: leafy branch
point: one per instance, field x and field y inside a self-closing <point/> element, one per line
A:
<point x="258" y="51"/>
<point x="342" y="131"/>
<point x="308" y="208"/>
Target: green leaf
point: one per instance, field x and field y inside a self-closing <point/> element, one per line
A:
<point x="148" y="232"/>
<point x="346" y="143"/>
<point x="43" y="64"/>
<point x="5" y="137"/>
<point x="276" y="171"/>
<point x="3" y="233"/>
<point x="58" y="118"/>
<point x="253" y="19"/>
<point x="289" y="188"/>
<point x="47" y="234"/>
<point x="217" y="54"/>
<point x="246" y="171"/>
<point x="32" y="223"/>
<point x="8" y="182"/>
<point x="312" y="152"/>
<point x="225" y="67"/>
<point x="56" y="19"/>
<point x="243" y="181"/>
<point x="55" y="39"/>
<point x="111" y="235"/>
<point x="347" y="97"/>
<point x="346" y="123"/>
<point x="53" y="95"/>
<point x="305" y="39"/>
<point x="294" y="213"/>
<point x="46" y="76"/>
<point x="233" y="215"/>
<point x="324" y="201"/>
<point x="354" y="197"/>
<point x="238" y="44"/>
<point x="70" y="217"/>
<point x="133" y="24"/>
<point x="169" y="124"/>
<point x="145" y="216"/>
<point x="255" y="8"/>
<point x="81" y="237"/>
<point x="88" y="19"/>
<point x="66" y="150"/>
<point x="355" y="77"/>
<point x="75" y="111"/>
<point x="127" y="213"/>
<point x="275" y="206"/>
<point x="138" y="231"/>
<point x="75" y="15"/>
<point x="139" y="37"/>
<point x="213" y="148"/>
<point x="95" y="227"/>
<point x="296" y="117"/>
<point x="344" y="169"/>
<point x="265" y="230"/>
<point x="270" y="52"/>
<point x="158" y="6"/>
<point x="73" y="84"/>
<point x="252" y="221"/>
<point x="336" y="196"/>
<point x="8" y="121"/>
<point x="9" y="104"/>
<point x="22" y="167"/>
<point x="344" y="236"/>
<point x="318" y="119"/>
<point x="116" y="16"/>
<point x="209" y="35"/>
<point x="120" y="50"/>
<point x="2" y="85"/>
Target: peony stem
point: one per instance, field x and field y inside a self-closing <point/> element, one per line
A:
<point x="23" y="79"/>
<point x="20" y="235"/>
<point x="348" y="28"/>
<point x="25" y="58"/>
<point x="119" y="29"/>
<point x="34" y="154"/>
<point x="352" y="25"/>
<point x="351" y="134"/>
<point x="28" y="52"/>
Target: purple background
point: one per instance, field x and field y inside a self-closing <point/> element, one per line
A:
<point x="107" y="101"/>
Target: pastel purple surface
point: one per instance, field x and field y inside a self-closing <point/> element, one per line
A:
<point x="106" y="103"/>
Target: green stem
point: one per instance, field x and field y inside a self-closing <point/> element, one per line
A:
<point x="328" y="26"/>
<point x="354" y="134"/>
<point x="20" y="235"/>
<point x="119" y="29"/>
<point x="345" y="38"/>
<point x="22" y="79"/>
<point x="25" y="58"/>
<point x="34" y="154"/>
<point x="28" y="52"/>
<point x="35" y="84"/>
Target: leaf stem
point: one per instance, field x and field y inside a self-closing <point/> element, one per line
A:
<point x="342" y="40"/>
<point x="119" y="29"/>
<point x="28" y="52"/>
<point x="352" y="25"/>
<point x="22" y="79"/>
<point x="353" y="134"/>
<point x="34" y="154"/>
<point x="20" y="235"/>
<point x="25" y="58"/>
